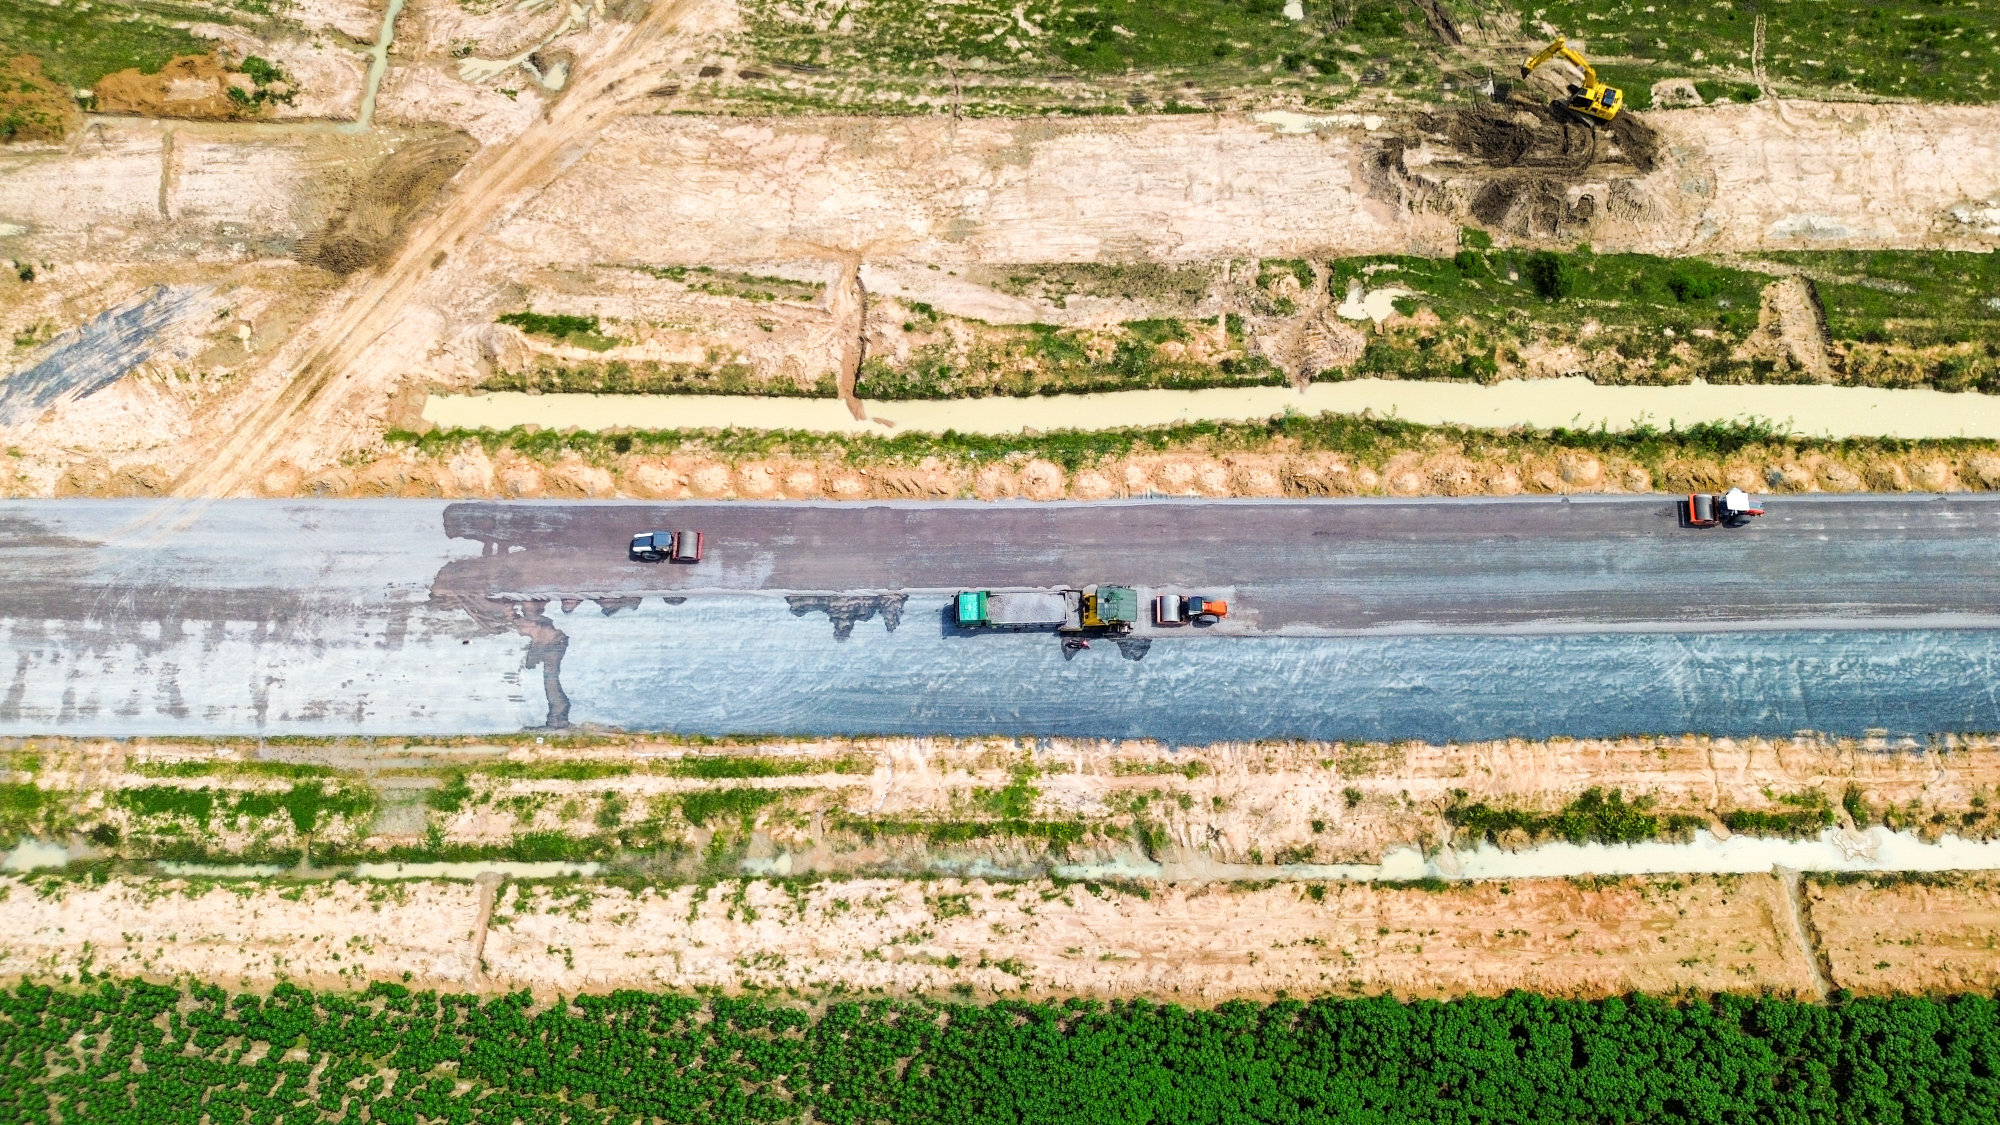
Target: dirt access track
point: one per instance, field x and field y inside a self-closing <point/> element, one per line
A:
<point x="1187" y="943"/>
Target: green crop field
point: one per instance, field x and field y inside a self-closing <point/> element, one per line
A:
<point x="133" y="1053"/>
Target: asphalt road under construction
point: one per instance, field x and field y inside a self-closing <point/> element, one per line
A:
<point x="1349" y="619"/>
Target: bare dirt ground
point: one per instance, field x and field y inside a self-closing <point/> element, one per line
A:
<point x="1194" y="944"/>
<point x="558" y="183"/>
<point x="1890" y="936"/>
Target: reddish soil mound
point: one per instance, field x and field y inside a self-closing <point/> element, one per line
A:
<point x="191" y="86"/>
<point x="32" y="108"/>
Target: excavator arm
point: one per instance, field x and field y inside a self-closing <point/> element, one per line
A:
<point x="1560" y="47"/>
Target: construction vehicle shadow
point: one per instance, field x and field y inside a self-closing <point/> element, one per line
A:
<point x="847" y="610"/>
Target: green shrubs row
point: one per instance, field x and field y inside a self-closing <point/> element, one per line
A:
<point x="133" y="1053"/>
<point x="1594" y="817"/>
<point x="310" y="805"/>
<point x="1371" y="440"/>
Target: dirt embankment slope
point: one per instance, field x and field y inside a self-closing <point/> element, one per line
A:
<point x="1444" y="468"/>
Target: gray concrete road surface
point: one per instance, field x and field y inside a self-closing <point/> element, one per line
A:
<point x="1581" y="563"/>
<point x="1388" y="619"/>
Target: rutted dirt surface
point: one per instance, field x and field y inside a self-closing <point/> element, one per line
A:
<point x="1192" y="944"/>
<point x="367" y="224"/>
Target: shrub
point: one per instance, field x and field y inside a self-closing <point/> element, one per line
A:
<point x="1553" y="276"/>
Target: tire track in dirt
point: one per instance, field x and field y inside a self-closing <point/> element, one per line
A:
<point x="503" y="178"/>
<point x="1801" y="927"/>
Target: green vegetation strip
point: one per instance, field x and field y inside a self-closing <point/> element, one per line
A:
<point x="1934" y="50"/>
<point x="1594" y="817"/>
<point x="130" y="1053"/>
<point x="81" y="41"/>
<point x="1371" y="440"/>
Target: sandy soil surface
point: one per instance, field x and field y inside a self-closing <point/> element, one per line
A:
<point x="1537" y="404"/>
<point x="1199" y="944"/>
<point x="1892" y="936"/>
<point x="1196" y="941"/>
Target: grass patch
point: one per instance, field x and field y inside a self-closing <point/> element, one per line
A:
<point x="1043" y="359"/>
<point x="715" y="767"/>
<point x="1056" y="833"/>
<point x="1939" y="52"/>
<point x="757" y="288"/>
<point x="741" y="805"/>
<point x="1651" y="319"/>
<point x="291" y="770"/>
<point x="986" y="57"/>
<point x="553" y="771"/>
<point x="716" y="375"/>
<point x="576" y="331"/>
<point x="309" y="806"/>
<point x="1594" y="817"/>
<point x="1368" y="440"/>
<point x="1800" y="815"/>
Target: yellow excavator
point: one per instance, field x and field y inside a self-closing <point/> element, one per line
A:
<point x="1593" y="97"/>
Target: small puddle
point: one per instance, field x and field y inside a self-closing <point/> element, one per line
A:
<point x="31" y="854"/>
<point x="224" y="870"/>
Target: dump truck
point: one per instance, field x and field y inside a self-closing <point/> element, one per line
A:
<point x="1017" y="609"/>
<point x="1090" y="610"/>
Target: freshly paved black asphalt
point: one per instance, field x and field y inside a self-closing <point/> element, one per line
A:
<point x="1531" y="564"/>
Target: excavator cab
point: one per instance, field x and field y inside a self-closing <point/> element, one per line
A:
<point x="1593" y="98"/>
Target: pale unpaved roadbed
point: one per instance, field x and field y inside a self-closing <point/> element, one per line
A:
<point x="1194" y="944"/>
<point x="1538" y="404"/>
